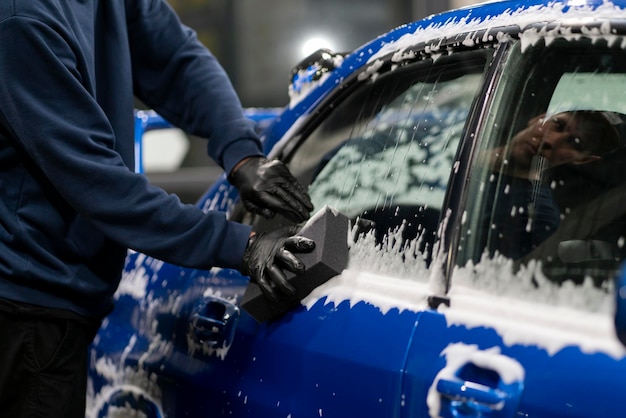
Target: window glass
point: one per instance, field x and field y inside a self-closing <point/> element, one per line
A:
<point x="386" y="151"/>
<point x="546" y="191"/>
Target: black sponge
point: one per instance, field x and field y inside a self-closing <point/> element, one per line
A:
<point x="329" y="229"/>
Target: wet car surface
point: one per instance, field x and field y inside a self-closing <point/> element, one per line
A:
<point x="486" y="145"/>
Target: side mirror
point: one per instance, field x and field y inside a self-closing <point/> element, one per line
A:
<point x="620" y="305"/>
<point x="312" y="68"/>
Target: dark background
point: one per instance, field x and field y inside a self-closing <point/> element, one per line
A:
<point x="258" y="42"/>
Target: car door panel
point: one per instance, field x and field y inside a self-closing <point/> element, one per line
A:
<point x="313" y="360"/>
<point x="556" y="378"/>
<point x="310" y="361"/>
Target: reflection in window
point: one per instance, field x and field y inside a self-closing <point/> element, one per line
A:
<point x="402" y="156"/>
<point x="386" y="152"/>
<point x="546" y="187"/>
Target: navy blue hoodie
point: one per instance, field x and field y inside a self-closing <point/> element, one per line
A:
<point x="70" y="203"/>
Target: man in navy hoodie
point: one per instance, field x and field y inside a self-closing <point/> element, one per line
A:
<point x="70" y="202"/>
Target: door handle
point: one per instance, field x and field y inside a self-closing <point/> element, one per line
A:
<point x="484" y="397"/>
<point x="213" y="322"/>
<point x="483" y="384"/>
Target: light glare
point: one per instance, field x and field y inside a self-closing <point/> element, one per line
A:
<point x="313" y="44"/>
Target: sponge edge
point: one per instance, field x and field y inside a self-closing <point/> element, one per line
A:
<point x="329" y="229"/>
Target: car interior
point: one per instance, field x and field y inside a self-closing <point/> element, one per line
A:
<point x="588" y="238"/>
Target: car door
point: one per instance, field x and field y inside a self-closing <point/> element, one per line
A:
<point x="379" y="148"/>
<point x="535" y="242"/>
<point x="384" y="154"/>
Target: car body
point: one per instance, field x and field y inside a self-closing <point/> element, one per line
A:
<point x="485" y="145"/>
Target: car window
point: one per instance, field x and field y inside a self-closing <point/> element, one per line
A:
<point x="546" y="192"/>
<point x="385" y="152"/>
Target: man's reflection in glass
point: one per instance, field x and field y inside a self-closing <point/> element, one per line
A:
<point x="524" y="213"/>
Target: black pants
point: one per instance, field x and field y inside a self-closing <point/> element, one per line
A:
<point x="43" y="361"/>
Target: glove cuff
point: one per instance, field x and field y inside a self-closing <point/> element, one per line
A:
<point x="233" y="175"/>
<point x="246" y="254"/>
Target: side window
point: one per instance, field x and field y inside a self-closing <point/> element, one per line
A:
<point x="385" y="153"/>
<point x="546" y="191"/>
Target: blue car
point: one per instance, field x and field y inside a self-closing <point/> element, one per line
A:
<point x="485" y="149"/>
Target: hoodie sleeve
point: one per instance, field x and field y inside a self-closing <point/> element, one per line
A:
<point x="62" y="134"/>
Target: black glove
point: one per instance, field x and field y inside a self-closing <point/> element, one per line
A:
<point x="267" y="253"/>
<point x="267" y="187"/>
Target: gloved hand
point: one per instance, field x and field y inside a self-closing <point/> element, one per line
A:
<point x="268" y="253"/>
<point x="267" y="187"/>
